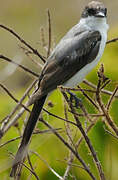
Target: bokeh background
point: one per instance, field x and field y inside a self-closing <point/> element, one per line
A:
<point x="27" y="17"/>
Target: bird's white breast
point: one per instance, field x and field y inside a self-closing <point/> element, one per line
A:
<point x="80" y="75"/>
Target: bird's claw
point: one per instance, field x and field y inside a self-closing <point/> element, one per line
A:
<point x="75" y="99"/>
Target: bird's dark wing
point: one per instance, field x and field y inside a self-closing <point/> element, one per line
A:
<point x="71" y="55"/>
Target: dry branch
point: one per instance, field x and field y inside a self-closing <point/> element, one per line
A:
<point x="101" y="81"/>
<point x="23" y="41"/>
<point x="88" y="142"/>
<point x="71" y="149"/>
<point x="49" y="33"/>
<point x="19" y="65"/>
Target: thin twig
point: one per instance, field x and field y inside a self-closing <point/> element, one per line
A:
<point x="111" y="134"/>
<point x="30" y="163"/>
<point x="19" y="65"/>
<point x="67" y="126"/>
<point x="46" y="163"/>
<point x="23" y="41"/>
<point x="95" y="87"/>
<point x="12" y="97"/>
<point x="97" y="162"/>
<point x="108" y="118"/>
<point x="112" y="40"/>
<point x="91" y="115"/>
<point x="33" y="173"/>
<point x="34" y="133"/>
<point x="28" y="54"/>
<point x="111" y="98"/>
<point x="71" y="164"/>
<point x="88" y="97"/>
<point x="69" y="147"/>
<point x="11" y="140"/>
<point x="58" y="117"/>
<point x="70" y="141"/>
<point x="102" y="107"/>
<point x="49" y="33"/>
<point x="6" y="124"/>
<point x="106" y="83"/>
<point x="71" y="157"/>
<point x="88" y="129"/>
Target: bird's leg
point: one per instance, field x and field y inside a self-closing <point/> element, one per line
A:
<point x="74" y="98"/>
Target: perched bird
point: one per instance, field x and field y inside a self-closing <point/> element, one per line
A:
<point x="72" y="59"/>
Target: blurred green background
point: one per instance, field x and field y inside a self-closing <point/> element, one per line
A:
<point x="27" y="17"/>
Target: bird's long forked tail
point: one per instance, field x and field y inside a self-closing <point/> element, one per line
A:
<point x="22" y="151"/>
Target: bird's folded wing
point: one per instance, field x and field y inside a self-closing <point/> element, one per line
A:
<point x="71" y="55"/>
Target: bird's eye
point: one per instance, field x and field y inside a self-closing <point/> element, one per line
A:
<point x="91" y="11"/>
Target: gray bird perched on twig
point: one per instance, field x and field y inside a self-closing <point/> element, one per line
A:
<point x="72" y="59"/>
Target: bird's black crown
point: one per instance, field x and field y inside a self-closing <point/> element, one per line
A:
<point x="93" y="9"/>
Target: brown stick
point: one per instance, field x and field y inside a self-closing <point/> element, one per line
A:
<point x="49" y="33"/>
<point x="112" y="40"/>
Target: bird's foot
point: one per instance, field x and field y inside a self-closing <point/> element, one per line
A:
<point x="74" y="99"/>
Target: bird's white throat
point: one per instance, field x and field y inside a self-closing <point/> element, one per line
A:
<point x="95" y="23"/>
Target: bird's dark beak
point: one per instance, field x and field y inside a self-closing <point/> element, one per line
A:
<point x="100" y="15"/>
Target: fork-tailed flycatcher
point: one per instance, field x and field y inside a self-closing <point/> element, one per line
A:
<point x="72" y="59"/>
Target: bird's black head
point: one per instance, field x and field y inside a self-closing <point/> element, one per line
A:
<point x="95" y="9"/>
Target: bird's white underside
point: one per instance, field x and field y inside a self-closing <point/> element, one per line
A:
<point x="91" y="23"/>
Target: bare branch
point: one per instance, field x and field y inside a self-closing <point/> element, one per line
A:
<point x="88" y="97"/>
<point x="99" y="100"/>
<point x="19" y="65"/>
<point x="58" y="117"/>
<point x="11" y="140"/>
<point x="32" y="172"/>
<point x="95" y="87"/>
<point x="70" y="141"/>
<point x="23" y="41"/>
<point x="97" y="162"/>
<point x="49" y="167"/>
<point x="112" y="40"/>
<point x="71" y="164"/>
<point x="69" y="147"/>
<point x="49" y="33"/>
<point x="111" y="98"/>
<point x="111" y="134"/>
<point x="36" y="132"/>
<point x="92" y="115"/>
<point x="30" y="163"/>
<point x="9" y="93"/>
<point x="28" y="54"/>
<point x="6" y="124"/>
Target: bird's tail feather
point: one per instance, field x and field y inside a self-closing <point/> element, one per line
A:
<point x="22" y="151"/>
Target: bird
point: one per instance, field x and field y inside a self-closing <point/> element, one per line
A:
<point x="76" y="54"/>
